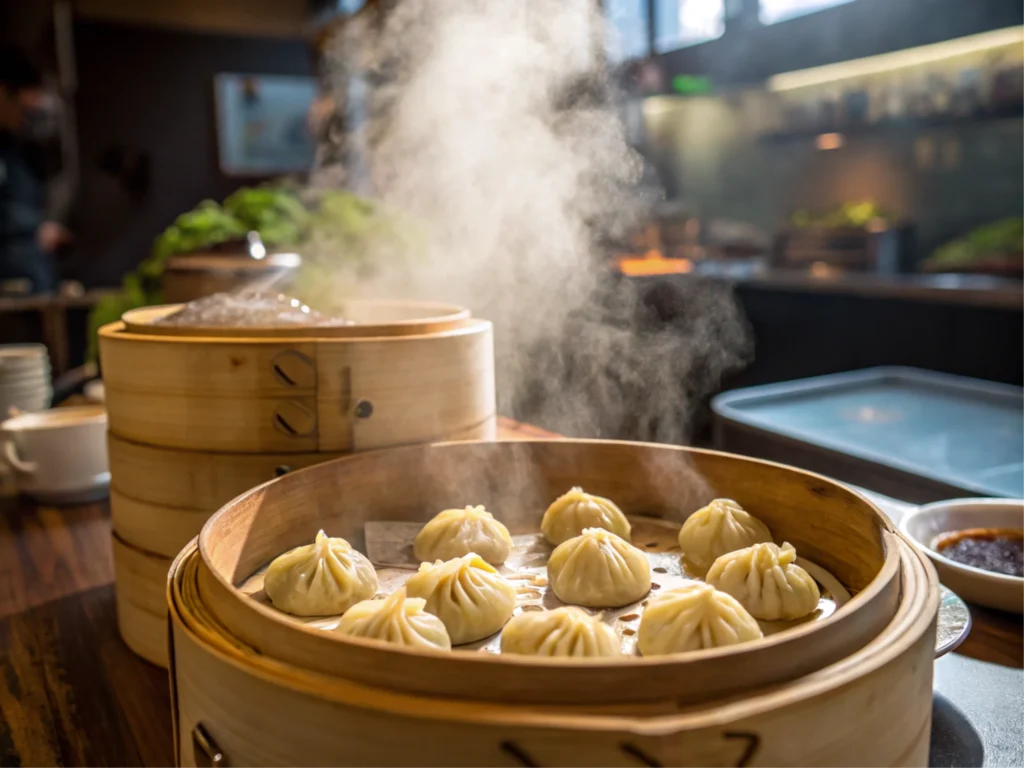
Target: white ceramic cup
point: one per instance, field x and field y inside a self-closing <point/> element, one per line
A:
<point x="59" y="455"/>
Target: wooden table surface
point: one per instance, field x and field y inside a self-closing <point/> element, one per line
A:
<point x="71" y="693"/>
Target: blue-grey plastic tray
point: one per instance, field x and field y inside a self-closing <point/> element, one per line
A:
<point x="960" y="434"/>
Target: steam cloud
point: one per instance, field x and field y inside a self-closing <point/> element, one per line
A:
<point x="492" y="122"/>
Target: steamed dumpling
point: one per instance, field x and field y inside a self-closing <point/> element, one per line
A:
<point x="692" y="618"/>
<point x="560" y="632"/>
<point x="599" y="570"/>
<point x="722" y="526"/>
<point x="320" y="579"/>
<point x="467" y="594"/>
<point x="396" y="619"/>
<point x="766" y="581"/>
<point x="457" y="532"/>
<point x="570" y="513"/>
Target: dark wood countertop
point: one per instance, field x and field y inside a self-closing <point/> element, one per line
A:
<point x="71" y="693"/>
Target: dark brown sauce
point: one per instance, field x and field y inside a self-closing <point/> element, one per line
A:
<point x="629" y="617"/>
<point x="660" y="570"/>
<point x="629" y="631"/>
<point x="999" y="550"/>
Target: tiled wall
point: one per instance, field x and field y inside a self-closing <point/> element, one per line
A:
<point x="947" y="179"/>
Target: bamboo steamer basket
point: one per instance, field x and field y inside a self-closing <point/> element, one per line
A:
<point x="192" y="276"/>
<point x="324" y="390"/>
<point x="828" y="523"/>
<point x="159" y="501"/>
<point x="237" y="704"/>
<point x="160" y="498"/>
<point x="197" y="417"/>
<point x="141" y="579"/>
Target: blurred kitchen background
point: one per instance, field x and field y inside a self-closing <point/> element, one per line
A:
<point x="852" y="169"/>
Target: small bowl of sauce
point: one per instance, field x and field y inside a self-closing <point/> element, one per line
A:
<point x="999" y="550"/>
<point x="977" y="547"/>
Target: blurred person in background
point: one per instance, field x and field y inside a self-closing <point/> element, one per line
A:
<point x="29" y="155"/>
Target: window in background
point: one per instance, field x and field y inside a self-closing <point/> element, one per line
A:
<point x="679" y="23"/>
<point x="773" y="11"/>
<point x="628" y="24"/>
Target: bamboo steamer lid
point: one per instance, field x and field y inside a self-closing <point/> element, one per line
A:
<point x="198" y="417"/>
<point x="872" y="707"/>
<point x="373" y="318"/>
<point x="828" y="523"/>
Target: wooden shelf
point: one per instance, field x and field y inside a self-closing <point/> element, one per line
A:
<point x="900" y="126"/>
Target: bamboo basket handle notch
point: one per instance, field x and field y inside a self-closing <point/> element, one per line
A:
<point x="205" y="752"/>
<point x="294" y="369"/>
<point x="294" y="419"/>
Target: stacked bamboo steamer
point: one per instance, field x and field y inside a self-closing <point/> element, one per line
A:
<point x="253" y="686"/>
<point x="199" y="415"/>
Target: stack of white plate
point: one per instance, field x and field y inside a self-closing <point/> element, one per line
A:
<point x="24" y="378"/>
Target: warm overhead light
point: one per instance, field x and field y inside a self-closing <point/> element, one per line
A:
<point x="829" y="140"/>
<point x="886" y="62"/>
<point x="653" y="263"/>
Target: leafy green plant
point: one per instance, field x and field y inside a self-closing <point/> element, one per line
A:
<point x="204" y="226"/>
<point x="1000" y="241"/>
<point x="274" y="211"/>
<point x="850" y="214"/>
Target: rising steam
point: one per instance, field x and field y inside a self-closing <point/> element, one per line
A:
<point x="491" y="123"/>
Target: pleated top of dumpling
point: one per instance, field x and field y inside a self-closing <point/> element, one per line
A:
<point x="598" y="569"/>
<point x="692" y="618"/>
<point x="767" y="581"/>
<point x="577" y="510"/>
<point x="396" y="619"/>
<point x="324" y="578"/>
<point x="720" y="527"/>
<point x="467" y="594"/>
<point x="560" y="632"/>
<point x="457" y="532"/>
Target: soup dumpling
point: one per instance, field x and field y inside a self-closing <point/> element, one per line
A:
<point x="324" y="578"/>
<point x="467" y="594"/>
<point x="767" y="581"/>
<point x="598" y="569"/>
<point x="457" y="532"/>
<point x="396" y="619"/>
<point x="576" y="510"/>
<point x="720" y="527"/>
<point x="692" y="618"/>
<point x="560" y="632"/>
